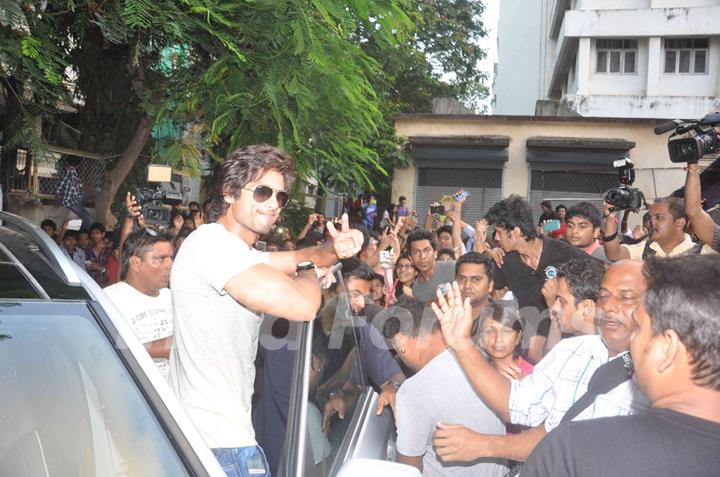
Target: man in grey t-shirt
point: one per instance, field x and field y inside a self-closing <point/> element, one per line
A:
<point x="424" y="401"/>
<point x="422" y="249"/>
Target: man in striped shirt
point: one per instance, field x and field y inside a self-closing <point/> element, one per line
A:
<point x="541" y="399"/>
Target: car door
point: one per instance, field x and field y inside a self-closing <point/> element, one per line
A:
<point x="359" y="444"/>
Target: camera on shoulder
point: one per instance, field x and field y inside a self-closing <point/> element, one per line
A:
<point x="702" y="139"/>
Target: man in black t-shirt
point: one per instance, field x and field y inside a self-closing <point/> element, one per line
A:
<point x="675" y="350"/>
<point x="529" y="260"/>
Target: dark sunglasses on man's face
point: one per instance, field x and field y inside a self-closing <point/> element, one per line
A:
<point x="262" y="193"/>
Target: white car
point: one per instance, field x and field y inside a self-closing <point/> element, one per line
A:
<point x="80" y="396"/>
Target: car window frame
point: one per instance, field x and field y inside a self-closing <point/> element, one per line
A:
<point x="297" y="455"/>
<point x="180" y="442"/>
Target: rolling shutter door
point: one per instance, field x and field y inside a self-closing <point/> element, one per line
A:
<point x="569" y="170"/>
<point x="484" y="185"/>
<point x="569" y="188"/>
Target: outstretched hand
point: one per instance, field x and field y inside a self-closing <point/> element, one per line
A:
<point x="346" y="242"/>
<point x="455" y="317"/>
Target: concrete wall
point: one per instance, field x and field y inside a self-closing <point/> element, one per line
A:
<point x="519" y="41"/>
<point x="612" y="4"/>
<point x="615" y="83"/>
<point x="690" y="84"/>
<point x="656" y="175"/>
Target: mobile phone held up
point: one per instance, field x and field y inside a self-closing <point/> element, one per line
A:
<point x="551" y="225"/>
<point x="437" y="209"/>
<point x="461" y="195"/>
<point x="74" y="224"/>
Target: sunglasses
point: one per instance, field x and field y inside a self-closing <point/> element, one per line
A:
<point x="262" y="193"/>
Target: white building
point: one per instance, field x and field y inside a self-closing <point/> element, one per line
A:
<point x="609" y="58"/>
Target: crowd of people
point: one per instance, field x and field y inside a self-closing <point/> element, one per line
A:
<point x="564" y="346"/>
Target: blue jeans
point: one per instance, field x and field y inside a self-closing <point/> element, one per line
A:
<point x="82" y="212"/>
<point x="243" y="461"/>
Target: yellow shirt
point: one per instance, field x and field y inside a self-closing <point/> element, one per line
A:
<point x="636" y="250"/>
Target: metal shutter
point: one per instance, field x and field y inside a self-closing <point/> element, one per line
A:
<point x="568" y="188"/>
<point x="484" y="185"/>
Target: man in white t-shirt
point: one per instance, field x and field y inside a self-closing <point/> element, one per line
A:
<point x="142" y="296"/>
<point x="220" y="285"/>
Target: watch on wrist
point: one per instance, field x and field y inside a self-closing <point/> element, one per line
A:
<point x="302" y="266"/>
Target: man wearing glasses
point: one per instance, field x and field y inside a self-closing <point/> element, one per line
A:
<point x="220" y="284"/>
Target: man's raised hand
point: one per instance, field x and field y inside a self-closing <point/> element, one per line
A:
<point x="346" y="242"/>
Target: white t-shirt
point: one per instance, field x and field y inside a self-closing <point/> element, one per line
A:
<point x="151" y="317"/>
<point x="212" y="366"/>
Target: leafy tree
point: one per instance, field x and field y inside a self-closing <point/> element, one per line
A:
<point x="440" y="58"/>
<point x="321" y="78"/>
<point x="235" y="72"/>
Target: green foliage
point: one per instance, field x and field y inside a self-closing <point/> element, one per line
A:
<point x="294" y="217"/>
<point x="321" y="78"/>
<point x="12" y="15"/>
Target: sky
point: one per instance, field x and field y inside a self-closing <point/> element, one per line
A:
<point x="489" y="43"/>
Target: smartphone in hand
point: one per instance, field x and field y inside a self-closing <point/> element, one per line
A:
<point x="551" y="225"/>
<point x="74" y="224"/>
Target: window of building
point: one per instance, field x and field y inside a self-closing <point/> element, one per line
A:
<point x="686" y="55"/>
<point x="616" y="56"/>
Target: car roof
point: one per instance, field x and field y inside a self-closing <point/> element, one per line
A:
<point x="30" y="265"/>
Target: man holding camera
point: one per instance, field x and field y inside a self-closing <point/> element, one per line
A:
<point x="667" y="238"/>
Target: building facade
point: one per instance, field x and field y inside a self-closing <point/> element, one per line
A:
<point x="563" y="159"/>
<point x="610" y="58"/>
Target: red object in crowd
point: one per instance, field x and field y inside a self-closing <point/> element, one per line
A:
<point x="112" y="269"/>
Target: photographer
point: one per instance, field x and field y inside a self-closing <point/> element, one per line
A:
<point x="668" y="237"/>
<point x="703" y="226"/>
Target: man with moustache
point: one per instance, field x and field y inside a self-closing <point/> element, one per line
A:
<point x="667" y="236"/>
<point x="675" y="355"/>
<point x="219" y="286"/>
<point x="541" y="399"/>
<point x="142" y="296"/>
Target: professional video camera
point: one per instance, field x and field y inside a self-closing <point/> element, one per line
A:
<point x="625" y="197"/>
<point x="691" y="149"/>
<point x="157" y="202"/>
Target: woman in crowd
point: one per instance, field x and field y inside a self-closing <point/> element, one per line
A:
<point x="405" y="275"/>
<point x="501" y="338"/>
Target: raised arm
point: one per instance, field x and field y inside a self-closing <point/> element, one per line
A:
<point x="457" y="227"/>
<point x="613" y="250"/>
<point x="456" y="322"/>
<point x="345" y="244"/>
<point x="702" y="224"/>
<point x="311" y="220"/>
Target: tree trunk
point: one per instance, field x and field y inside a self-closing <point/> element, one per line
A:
<point x="114" y="177"/>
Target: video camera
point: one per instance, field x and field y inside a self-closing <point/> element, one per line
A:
<point x="691" y="149"/>
<point x="157" y="202"/>
<point x="625" y="197"/>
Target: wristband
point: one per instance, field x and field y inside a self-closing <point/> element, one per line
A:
<point x="609" y="238"/>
